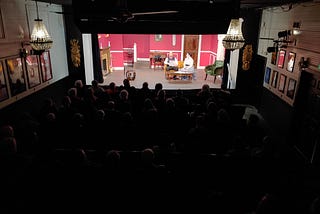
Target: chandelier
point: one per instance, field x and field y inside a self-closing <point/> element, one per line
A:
<point x="234" y="38"/>
<point x="40" y="38"/>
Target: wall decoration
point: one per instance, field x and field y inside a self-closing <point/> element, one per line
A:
<point x="291" y="60"/>
<point x="274" y="79"/>
<point x="45" y="62"/>
<point x="75" y="52"/>
<point x="32" y="67"/>
<point x="157" y="37"/>
<point x="274" y="57"/>
<point x="282" y="82"/>
<point x="16" y="75"/>
<point x="247" y="57"/>
<point x="2" y="34"/>
<point x="267" y="75"/>
<point x="291" y="88"/>
<point x="3" y="86"/>
<point x="313" y="82"/>
<point x="281" y="58"/>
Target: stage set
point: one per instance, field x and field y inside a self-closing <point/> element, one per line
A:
<point x="157" y="75"/>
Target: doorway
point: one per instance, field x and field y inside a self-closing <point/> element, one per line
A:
<point x="191" y="45"/>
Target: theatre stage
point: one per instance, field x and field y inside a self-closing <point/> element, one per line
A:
<point x="153" y="76"/>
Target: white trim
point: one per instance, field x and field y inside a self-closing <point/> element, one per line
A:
<point x="88" y="58"/>
<point x="143" y="59"/>
<point x="182" y="47"/>
<point x="165" y="51"/>
<point x="199" y="50"/>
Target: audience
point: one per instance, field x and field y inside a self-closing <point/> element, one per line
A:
<point x="193" y="134"/>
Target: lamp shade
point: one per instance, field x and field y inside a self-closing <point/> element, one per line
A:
<point x="40" y="38"/>
<point x="234" y="38"/>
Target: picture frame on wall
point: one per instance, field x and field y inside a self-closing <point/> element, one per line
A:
<point x="274" y="55"/>
<point x="32" y="68"/>
<point x="3" y="84"/>
<point x="291" y="61"/>
<point x="16" y="76"/>
<point x="313" y="82"/>
<point x="282" y="82"/>
<point x="45" y="62"/>
<point x="267" y="75"/>
<point x="274" y="79"/>
<point x="281" y="58"/>
<point x="291" y="88"/>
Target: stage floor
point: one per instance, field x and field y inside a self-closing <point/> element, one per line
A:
<point x="153" y="76"/>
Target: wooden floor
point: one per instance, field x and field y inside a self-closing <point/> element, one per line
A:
<point x="153" y="76"/>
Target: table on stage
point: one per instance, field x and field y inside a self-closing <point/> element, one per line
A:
<point x="179" y="75"/>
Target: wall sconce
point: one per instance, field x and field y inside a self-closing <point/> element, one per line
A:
<point x="40" y="38"/>
<point x="303" y="63"/>
<point x="234" y="38"/>
<point x="296" y="29"/>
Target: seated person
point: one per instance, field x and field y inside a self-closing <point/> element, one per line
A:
<point x="171" y="62"/>
<point x="188" y="65"/>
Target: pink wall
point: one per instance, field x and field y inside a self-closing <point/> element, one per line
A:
<point x="209" y="46"/>
<point x="166" y="43"/>
<point x="142" y="41"/>
<point x="146" y="42"/>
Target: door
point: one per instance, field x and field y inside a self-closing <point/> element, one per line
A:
<point x="191" y="45"/>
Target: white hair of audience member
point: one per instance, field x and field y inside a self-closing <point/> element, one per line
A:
<point x="51" y="117"/>
<point x="147" y="155"/>
<point x="78" y="83"/>
<point x="124" y="94"/>
<point x="100" y="114"/>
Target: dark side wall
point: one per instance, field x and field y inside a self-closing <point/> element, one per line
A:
<point x="34" y="102"/>
<point x="73" y="35"/>
<point x="249" y="82"/>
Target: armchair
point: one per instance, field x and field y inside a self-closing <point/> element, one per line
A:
<point x="215" y="69"/>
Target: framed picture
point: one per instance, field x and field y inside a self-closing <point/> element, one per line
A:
<point x="291" y="88"/>
<point x="3" y="85"/>
<point x="274" y="57"/>
<point x="16" y="75"/>
<point x="32" y="67"/>
<point x="291" y="60"/>
<point x="313" y="82"/>
<point x="157" y="37"/>
<point x="274" y="79"/>
<point x="45" y="62"/>
<point x="267" y="75"/>
<point x="282" y="82"/>
<point x="281" y="58"/>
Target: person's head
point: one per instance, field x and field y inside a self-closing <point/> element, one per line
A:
<point x="6" y="131"/>
<point x="147" y="156"/>
<point x="145" y="85"/>
<point x="158" y="86"/>
<point x="8" y="146"/>
<point x="171" y="56"/>
<point x="205" y="87"/>
<point x="94" y="83"/>
<point x="78" y="84"/>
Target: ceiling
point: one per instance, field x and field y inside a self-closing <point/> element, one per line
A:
<point x="188" y="16"/>
<point x="257" y="4"/>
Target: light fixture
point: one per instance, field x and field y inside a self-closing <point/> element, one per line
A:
<point x="234" y="38"/>
<point x="296" y="29"/>
<point x="40" y="38"/>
